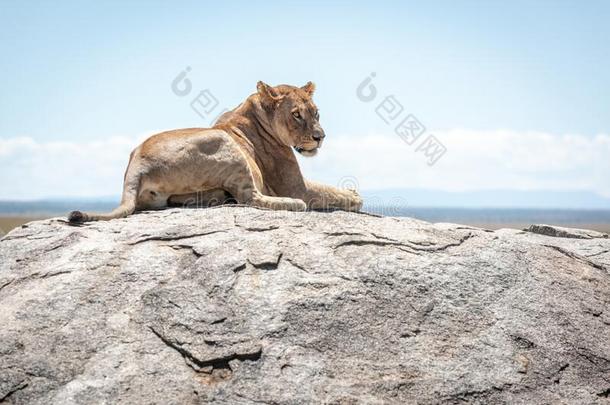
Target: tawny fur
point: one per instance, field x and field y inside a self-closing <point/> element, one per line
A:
<point x="248" y="155"/>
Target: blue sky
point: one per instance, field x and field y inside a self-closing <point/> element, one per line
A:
<point x="75" y="73"/>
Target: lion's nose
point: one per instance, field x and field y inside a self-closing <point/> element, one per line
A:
<point x="318" y="135"/>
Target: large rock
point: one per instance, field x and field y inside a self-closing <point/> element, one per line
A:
<point x="240" y="306"/>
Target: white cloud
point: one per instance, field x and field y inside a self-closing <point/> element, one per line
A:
<point x="31" y="169"/>
<point x="475" y="160"/>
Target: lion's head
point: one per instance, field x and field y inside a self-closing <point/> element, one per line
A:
<point x="294" y="116"/>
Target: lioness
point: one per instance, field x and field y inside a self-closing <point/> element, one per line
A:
<point x="246" y="155"/>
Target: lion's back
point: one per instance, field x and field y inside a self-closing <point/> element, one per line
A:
<point x="175" y="142"/>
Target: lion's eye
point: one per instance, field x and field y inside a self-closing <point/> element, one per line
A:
<point x="317" y="115"/>
<point x="296" y="115"/>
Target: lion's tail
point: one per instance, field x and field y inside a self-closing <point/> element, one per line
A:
<point x="131" y="189"/>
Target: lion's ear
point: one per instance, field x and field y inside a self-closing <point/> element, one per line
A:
<point x="309" y="88"/>
<point x="267" y="92"/>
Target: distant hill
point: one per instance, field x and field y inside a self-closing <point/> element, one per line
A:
<point x="52" y="207"/>
<point x="489" y="199"/>
<point x="404" y="199"/>
<point x="491" y="209"/>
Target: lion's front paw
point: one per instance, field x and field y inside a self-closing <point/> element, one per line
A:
<point x="299" y="205"/>
<point x="355" y="201"/>
<point x="293" y="204"/>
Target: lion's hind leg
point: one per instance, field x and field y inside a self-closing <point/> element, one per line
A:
<point x="150" y="199"/>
